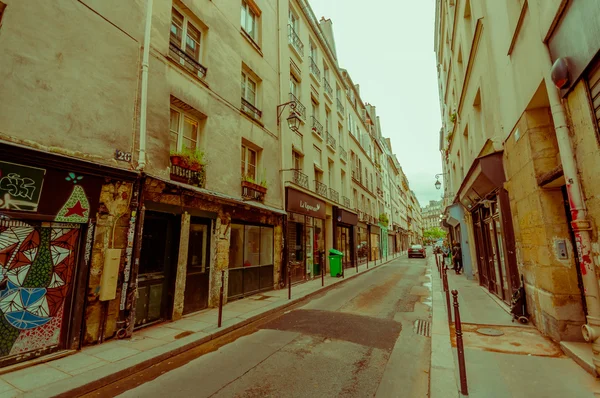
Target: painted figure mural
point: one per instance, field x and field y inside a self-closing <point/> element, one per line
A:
<point x="37" y="262"/>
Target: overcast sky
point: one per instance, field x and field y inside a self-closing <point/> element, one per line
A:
<point x="387" y="47"/>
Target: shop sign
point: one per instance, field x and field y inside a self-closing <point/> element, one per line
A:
<point x="299" y="202"/>
<point x="20" y="186"/>
<point x="346" y="217"/>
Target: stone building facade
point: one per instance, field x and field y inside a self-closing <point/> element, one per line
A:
<point x="431" y="214"/>
<point x="518" y="152"/>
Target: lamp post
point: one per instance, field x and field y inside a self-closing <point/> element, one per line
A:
<point x="293" y="119"/>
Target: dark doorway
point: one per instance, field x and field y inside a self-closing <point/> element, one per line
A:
<point x="158" y="260"/>
<point x="198" y="266"/>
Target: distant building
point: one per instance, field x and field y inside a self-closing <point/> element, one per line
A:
<point x="431" y="214"/>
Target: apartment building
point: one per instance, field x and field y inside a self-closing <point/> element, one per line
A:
<point x="431" y="214"/>
<point x="160" y="162"/>
<point x="518" y="91"/>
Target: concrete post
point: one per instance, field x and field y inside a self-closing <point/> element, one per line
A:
<point x="181" y="267"/>
<point x="580" y="224"/>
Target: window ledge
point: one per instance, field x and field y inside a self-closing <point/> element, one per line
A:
<point x="252" y="42"/>
<point x="253" y="119"/>
<point x="317" y="135"/>
<point x="188" y="73"/>
<point x="295" y="51"/>
<point x="518" y="27"/>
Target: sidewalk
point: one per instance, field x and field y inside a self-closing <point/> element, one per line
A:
<point x="519" y="363"/>
<point x="101" y="364"/>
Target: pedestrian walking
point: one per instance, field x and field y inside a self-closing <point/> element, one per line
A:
<point x="457" y="257"/>
<point x="445" y="254"/>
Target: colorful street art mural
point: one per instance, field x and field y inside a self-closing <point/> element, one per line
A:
<point x="37" y="262"/>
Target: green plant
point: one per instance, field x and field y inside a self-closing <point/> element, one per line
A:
<point x="263" y="180"/>
<point x="453" y="117"/>
<point x="248" y="178"/>
<point x="383" y="219"/>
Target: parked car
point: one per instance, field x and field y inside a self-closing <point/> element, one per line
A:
<point x="416" y="251"/>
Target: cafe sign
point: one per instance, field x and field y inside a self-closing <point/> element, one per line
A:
<point x="20" y="187"/>
<point x="299" y="202"/>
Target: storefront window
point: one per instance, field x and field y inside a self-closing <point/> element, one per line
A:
<point x="236" y="246"/>
<point x="362" y="245"/>
<point x="197" y="250"/>
<point x="250" y="245"/>
<point x="374" y="247"/>
<point x="266" y="246"/>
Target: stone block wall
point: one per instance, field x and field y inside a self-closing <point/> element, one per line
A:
<point x="111" y="230"/>
<point x="539" y="220"/>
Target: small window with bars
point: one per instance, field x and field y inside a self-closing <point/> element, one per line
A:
<point x="593" y="82"/>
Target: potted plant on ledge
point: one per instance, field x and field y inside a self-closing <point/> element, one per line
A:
<point x="383" y="219"/>
<point x="249" y="182"/>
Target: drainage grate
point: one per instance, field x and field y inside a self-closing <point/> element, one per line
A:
<point x="423" y="328"/>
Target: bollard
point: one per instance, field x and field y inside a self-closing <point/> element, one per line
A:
<point x="221" y="297"/>
<point x="323" y="270"/>
<point x="357" y="266"/>
<point x="447" y="291"/>
<point x="437" y="261"/>
<point x="289" y="282"/>
<point x="459" y="346"/>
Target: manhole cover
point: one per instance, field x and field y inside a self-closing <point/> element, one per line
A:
<point x="490" y="332"/>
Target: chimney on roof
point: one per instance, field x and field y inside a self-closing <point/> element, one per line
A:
<point x="327" y="29"/>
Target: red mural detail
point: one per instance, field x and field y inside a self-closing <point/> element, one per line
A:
<point x="580" y="252"/>
<point x="77" y="209"/>
<point x="574" y="211"/>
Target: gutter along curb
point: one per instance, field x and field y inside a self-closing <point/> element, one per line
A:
<point x="96" y="378"/>
<point x="442" y="372"/>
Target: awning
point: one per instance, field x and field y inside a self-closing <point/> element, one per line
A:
<point x="221" y="196"/>
<point x="485" y="175"/>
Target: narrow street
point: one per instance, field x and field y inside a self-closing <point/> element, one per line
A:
<point x="356" y="340"/>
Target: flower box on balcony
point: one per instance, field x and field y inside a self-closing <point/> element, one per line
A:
<point x="256" y="187"/>
<point x="188" y="167"/>
<point x="253" y="191"/>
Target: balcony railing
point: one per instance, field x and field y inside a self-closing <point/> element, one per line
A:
<point x="300" y="179"/>
<point x="187" y="61"/>
<point x="379" y="192"/>
<point x="328" y="89"/>
<point x="251" y="191"/>
<point x="314" y="69"/>
<point x="299" y="108"/>
<point x="250" y="109"/>
<point x="317" y="127"/>
<point x="343" y="154"/>
<point x="346" y="201"/>
<point x="340" y="107"/>
<point x="334" y="195"/>
<point x="320" y="188"/>
<point x="187" y="176"/>
<point x="295" y="40"/>
<point x="330" y="141"/>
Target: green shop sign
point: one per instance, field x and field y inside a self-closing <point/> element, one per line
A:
<point x="20" y="186"/>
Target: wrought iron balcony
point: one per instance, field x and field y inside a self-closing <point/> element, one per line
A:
<point x="295" y="40"/>
<point x="320" y="188"/>
<point x="340" y="107"/>
<point x="300" y="179"/>
<point x="316" y="126"/>
<point x="300" y="109"/>
<point x="252" y="191"/>
<point x="346" y="201"/>
<point x="314" y="69"/>
<point x="379" y="192"/>
<point x="187" y="61"/>
<point x="196" y="178"/>
<point x="334" y="195"/>
<point x="331" y="141"/>
<point x="343" y="154"/>
<point x="250" y="109"/>
<point x="328" y="89"/>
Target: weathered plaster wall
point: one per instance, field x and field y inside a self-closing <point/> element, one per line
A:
<point x="539" y="220"/>
<point x="113" y="215"/>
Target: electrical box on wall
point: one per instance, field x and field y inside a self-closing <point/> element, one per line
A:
<point x="110" y="273"/>
<point x="561" y="250"/>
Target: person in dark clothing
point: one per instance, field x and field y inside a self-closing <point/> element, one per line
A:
<point x="457" y="257"/>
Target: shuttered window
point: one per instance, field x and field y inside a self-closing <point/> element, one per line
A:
<point x="594" y="86"/>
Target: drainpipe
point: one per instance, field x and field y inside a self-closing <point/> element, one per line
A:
<point x="144" y="93"/>
<point x="580" y="224"/>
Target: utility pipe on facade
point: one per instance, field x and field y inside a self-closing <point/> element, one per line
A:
<point x="580" y="224"/>
<point x="144" y="91"/>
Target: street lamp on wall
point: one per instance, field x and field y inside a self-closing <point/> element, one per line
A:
<point x="293" y="120"/>
<point x="438" y="184"/>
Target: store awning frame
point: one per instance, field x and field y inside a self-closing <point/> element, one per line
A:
<point x="485" y="176"/>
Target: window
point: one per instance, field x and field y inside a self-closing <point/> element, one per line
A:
<point x="183" y="131"/>
<point x="331" y="171"/>
<point x="294" y="86"/>
<point x="250" y="245"/>
<point x="249" y="21"/>
<point x="249" y="162"/>
<point x="343" y="182"/>
<point x="327" y="120"/>
<point x="318" y="156"/>
<point x="2" y="8"/>
<point x="293" y="20"/>
<point x="297" y="158"/>
<point x="186" y="40"/>
<point x="249" y="95"/>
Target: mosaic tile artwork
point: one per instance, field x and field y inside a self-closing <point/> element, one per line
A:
<point x="36" y="269"/>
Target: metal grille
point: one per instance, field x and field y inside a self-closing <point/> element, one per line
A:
<point x="594" y="85"/>
<point x="423" y="328"/>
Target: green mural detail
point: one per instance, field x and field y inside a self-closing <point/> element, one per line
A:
<point x="40" y="273"/>
<point x="8" y="336"/>
<point x="76" y="209"/>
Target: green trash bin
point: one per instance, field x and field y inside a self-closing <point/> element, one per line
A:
<point x="335" y="262"/>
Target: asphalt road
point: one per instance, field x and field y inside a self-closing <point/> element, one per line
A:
<point x="359" y="339"/>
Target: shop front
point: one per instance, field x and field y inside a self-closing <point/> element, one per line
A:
<point x="362" y="243"/>
<point x="344" y="225"/>
<point x="482" y="192"/>
<point x="49" y="206"/>
<point x="375" y="239"/>
<point x="305" y="235"/>
<point x="190" y="236"/>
